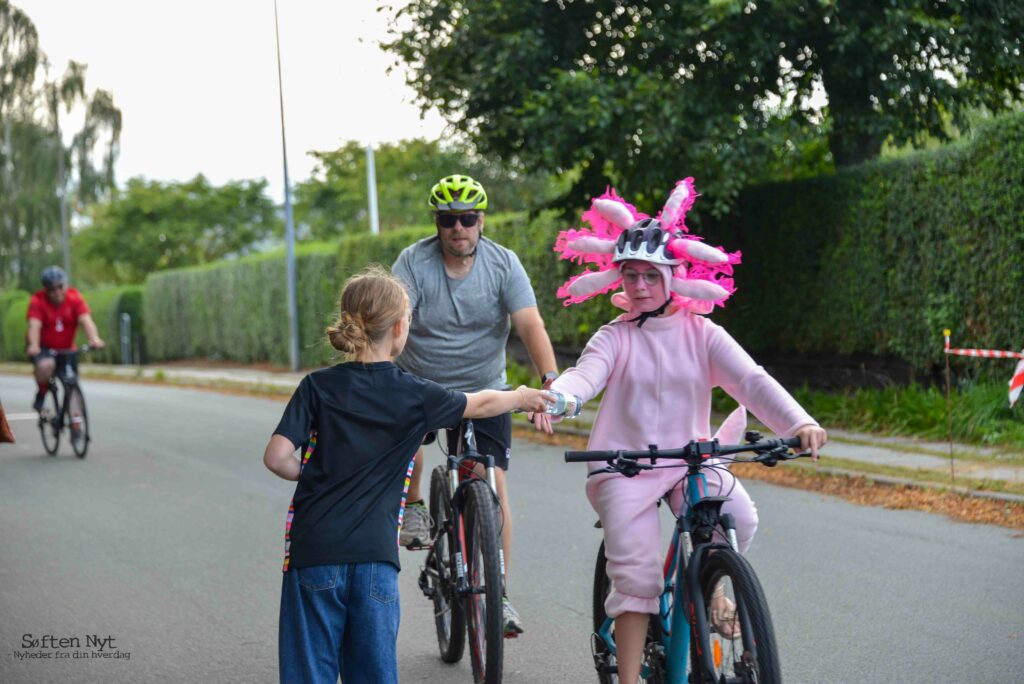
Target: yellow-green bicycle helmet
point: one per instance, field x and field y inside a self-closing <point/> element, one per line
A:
<point x="457" y="193"/>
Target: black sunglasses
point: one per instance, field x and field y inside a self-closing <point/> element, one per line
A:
<point x="449" y="220"/>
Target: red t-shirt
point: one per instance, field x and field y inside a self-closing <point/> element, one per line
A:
<point x="59" y="322"/>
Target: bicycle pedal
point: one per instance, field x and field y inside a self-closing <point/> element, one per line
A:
<point x="419" y="546"/>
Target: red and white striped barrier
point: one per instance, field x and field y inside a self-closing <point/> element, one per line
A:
<point x="1016" y="382"/>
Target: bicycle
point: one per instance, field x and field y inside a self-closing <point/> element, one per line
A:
<point x="702" y="565"/>
<point x="64" y="406"/>
<point x="464" y="572"/>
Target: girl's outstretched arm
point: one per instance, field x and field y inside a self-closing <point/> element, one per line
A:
<point x="489" y="403"/>
<point x="280" y="458"/>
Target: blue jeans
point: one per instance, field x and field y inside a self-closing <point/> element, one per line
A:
<point x="339" y="619"/>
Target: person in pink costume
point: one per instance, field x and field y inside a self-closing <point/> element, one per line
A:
<point x="657" y="364"/>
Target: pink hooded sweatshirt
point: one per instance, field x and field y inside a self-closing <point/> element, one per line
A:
<point x="657" y="381"/>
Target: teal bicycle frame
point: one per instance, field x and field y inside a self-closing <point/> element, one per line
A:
<point x="675" y="629"/>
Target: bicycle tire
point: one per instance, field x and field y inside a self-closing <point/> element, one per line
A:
<point x="77" y="421"/>
<point x="485" y="627"/>
<point x="449" y="618"/>
<point x="752" y="657"/>
<point x="49" y="425"/>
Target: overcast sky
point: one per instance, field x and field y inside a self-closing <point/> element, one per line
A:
<point x="196" y="81"/>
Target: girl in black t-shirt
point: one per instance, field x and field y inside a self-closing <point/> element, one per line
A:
<point x="362" y="422"/>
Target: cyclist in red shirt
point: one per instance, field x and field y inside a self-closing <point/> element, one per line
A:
<point x="54" y="314"/>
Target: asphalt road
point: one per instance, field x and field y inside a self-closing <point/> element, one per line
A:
<point x="167" y="538"/>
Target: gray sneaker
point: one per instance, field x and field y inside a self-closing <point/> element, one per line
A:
<point x="415" y="526"/>
<point x="513" y="623"/>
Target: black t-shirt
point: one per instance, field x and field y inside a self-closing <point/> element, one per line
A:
<point x="369" y="419"/>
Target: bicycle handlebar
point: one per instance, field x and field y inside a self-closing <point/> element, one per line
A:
<point x="769" y="452"/>
<point x="66" y="352"/>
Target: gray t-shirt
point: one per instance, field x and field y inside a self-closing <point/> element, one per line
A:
<point x="460" y="326"/>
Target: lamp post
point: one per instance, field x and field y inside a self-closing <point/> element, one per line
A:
<point x="289" y="231"/>
<point x="371" y="190"/>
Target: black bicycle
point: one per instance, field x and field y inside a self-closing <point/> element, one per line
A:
<point x="713" y="626"/>
<point x="64" y="406"/>
<point x="464" y="572"/>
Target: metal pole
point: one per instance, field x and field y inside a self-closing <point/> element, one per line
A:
<point x="62" y="197"/>
<point x="126" y="339"/>
<point x="949" y="413"/>
<point x="371" y="190"/>
<point x="293" y="315"/>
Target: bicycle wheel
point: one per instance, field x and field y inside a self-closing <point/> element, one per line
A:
<point x="449" y="618"/>
<point x="739" y="638"/>
<point x="605" y="662"/>
<point x="77" y="421"/>
<point x="49" y="422"/>
<point x="484" y="625"/>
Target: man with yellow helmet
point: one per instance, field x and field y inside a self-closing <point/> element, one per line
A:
<point x="464" y="291"/>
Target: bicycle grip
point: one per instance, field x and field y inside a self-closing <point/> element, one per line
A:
<point x="588" y="456"/>
<point x="792" y="442"/>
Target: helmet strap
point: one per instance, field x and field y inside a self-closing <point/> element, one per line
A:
<point x="642" y="318"/>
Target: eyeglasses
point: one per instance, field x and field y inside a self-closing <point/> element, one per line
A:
<point x="651" y="277"/>
<point x="448" y="220"/>
<point x="55" y="288"/>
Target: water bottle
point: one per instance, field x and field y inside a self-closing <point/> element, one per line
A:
<point x="566" y="405"/>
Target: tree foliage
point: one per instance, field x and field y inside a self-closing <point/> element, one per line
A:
<point x="637" y="93"/>
<point x="154" y="225"/>
<point x="334" y="201"/>
<point x="37" y="166"/>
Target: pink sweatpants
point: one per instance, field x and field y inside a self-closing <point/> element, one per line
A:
<point x="632" y="530"/>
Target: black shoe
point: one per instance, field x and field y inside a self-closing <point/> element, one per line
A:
<point x="37" y="405"/>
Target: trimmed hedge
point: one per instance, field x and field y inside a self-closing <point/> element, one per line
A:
<point x="880" y="258"/>
<point x="107" y="305"/>
<point x="237" y="310"/>
<point x="13" y="307"/>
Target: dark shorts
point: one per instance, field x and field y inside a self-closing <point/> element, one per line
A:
<point x="62" y="359"/>
<point x="493" y="436"/>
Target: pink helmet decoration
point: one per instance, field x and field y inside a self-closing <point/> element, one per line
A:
<point x="618" y="232"/>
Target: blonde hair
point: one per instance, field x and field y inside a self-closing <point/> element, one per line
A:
<point x="370" y="304"/>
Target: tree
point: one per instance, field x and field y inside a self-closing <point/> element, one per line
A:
<point x="40" y="175"/>
<point x="334" y="200"/>
<point x="639" y="93"/>
<point x="153" y="225"/>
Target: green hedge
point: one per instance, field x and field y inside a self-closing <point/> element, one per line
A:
<point x="13" y="306"/>
<point x="107" y="305"/>
<point x="237" y="310"/>
<point x="880" y="258"/>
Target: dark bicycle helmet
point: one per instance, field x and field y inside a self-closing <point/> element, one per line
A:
<point x="53" y="275"/>
<point x="457" y="193"/>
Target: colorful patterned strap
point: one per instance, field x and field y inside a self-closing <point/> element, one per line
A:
<point x="291" y="506"/>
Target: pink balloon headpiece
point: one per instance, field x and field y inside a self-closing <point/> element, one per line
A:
<point x="700" y="273"/>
